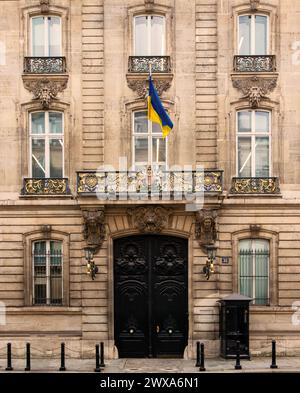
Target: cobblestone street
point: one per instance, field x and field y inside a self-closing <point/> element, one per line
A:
<point x="262" y="365"/>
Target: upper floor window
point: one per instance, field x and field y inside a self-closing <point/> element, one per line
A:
<point x="46" y="38"/>
<point x="149" y="35"/>
<point x="47" y="263"/>
<point x="149" y="148"/>
<point x="46" y="144"/>
<point x="254" y="256"/>
<point x="253" y="143"/>
<point x="253" y="32"/>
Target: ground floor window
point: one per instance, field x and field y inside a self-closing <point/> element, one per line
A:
<point x="254" y="258"/>
<point x="47" y="272"/>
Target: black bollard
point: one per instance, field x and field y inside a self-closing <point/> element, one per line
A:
<point x="9" y="364"/>
<point x="102" y="364"/>
<point x="198" y="355"/>
<point x="28" y="360"/>
<point x="238" y="359"/>
<point x="97" y="369"/>
<point x="273" y="365"/>
<point x="202" y="359"/>
<point x="62" y="358"/>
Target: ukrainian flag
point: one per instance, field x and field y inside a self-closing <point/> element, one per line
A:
<point x="156" y="112"/>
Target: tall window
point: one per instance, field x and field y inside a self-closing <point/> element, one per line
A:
<point x="149" y="148"/>
<point x="47" y="144"/>
<point x="254" y="256"/>
<point x="46" y="36"/>
<point x="253" y="143"/>
<point x="47" y="272"/>
<point x="149" y="35"/>
<point x="253" y="35"/>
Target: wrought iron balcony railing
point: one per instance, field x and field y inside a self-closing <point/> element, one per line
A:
<point x="266" y="63"/>
<point x="145" y="184"/>
<point x="255" y="185"/>
<point x="45" y="186"/>
<point x="141" y="64"/>
<point x="44" y="65"/>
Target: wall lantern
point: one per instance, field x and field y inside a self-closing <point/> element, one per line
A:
<point x="208" y="269"/>
<point x="91" y="268"/>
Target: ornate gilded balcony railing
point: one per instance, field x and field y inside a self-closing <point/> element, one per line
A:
<point x="140" y="64"/>
<point x="255" y="185"/>
<point x="45" y="186"/>
<point x="266" y="63"/>
<point x="44" y="65"/>
<point x="139" y="183"/>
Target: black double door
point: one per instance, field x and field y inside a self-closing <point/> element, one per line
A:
<point x="151" y="296"/>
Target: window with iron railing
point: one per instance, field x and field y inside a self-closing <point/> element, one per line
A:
<point x="254" y="261"/>
<point x="47" y="262"/>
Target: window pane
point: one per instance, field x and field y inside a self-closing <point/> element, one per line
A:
<point x="156" y="128"/>
<point x="244" y="157"/>
<point x="157" y="36"/>
<point x="39" y="253"/>
<point x="40" y="272"/>
<point x="55" y="123"/>
<point x="38" y="37"/>
<point x="158" y="150"/>
<point x="141" y="150"/>
<point x="246" y="268"/>
<point x="38" y="123"/>
<point x="244" y="121"/>
<point x="261" y="248"/>
<point x="141" y="37"/>
<point x="244" y="44"/>
<point x="261" y="35"/>
<point x="262" y="121"/>
<point x="54" y="32"/>
<point x="140" y="122"/>
<point x="38" y="158"/>
<point x="262" y="157"/>
<point x="56" y="158"/>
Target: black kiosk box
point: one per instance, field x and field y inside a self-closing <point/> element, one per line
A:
<point x="234" y="325"/>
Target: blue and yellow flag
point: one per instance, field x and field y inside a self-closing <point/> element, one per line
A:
<point x="156" y="112"/>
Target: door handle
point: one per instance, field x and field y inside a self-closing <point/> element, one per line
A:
<point x="157" y="329"/>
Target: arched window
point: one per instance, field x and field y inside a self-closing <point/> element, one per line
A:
<point x="46" y="144"/>
<point x="254" y="258"/>
<point x="253" y="143"/>
<point x="47" y="264"/>
<point x="253" y="35"/>
<point x="149" y="148"/>
<point x="149" y="35"/>
<point x="46" y="37"/>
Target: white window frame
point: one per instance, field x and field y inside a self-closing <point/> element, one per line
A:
<point x="149" y="34"/>
<point x="48" y="282"/>
<point x="150" y="136"/>
<point x="46" y="34"/>
<point x="253" y="248"/>
<point x="253" y="33"/>
<point x="253" y="134"/>
<point x="47" y="136"/>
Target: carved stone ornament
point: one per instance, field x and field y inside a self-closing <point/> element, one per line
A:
<point x="255" y="88"/>
<point x="149" y="5"/>
<point x="205" y="227"/>
<point x="141" y="86"/>
<point x="44" y="6"/>
<point x="254" y="4"/>
<point x="150" y="219"/>
<point x="45" y="90"/>
<point x="46" y="230"/>
<point x="94" y="230"/>
<point x="254" y="229"/>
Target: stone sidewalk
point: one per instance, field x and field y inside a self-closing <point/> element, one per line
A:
<point x="285" y="364"/>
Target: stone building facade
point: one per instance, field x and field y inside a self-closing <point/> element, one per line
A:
<point x="73" y="86"/>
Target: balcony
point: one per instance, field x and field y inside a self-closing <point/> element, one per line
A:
<point x="141" y="64"/>
<point x="144" y="185"/>
<point x="255" y="185"/>
<point x="44" y="65"/>
<point x="45" y="187"/>
<point x="266" y="63"/>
